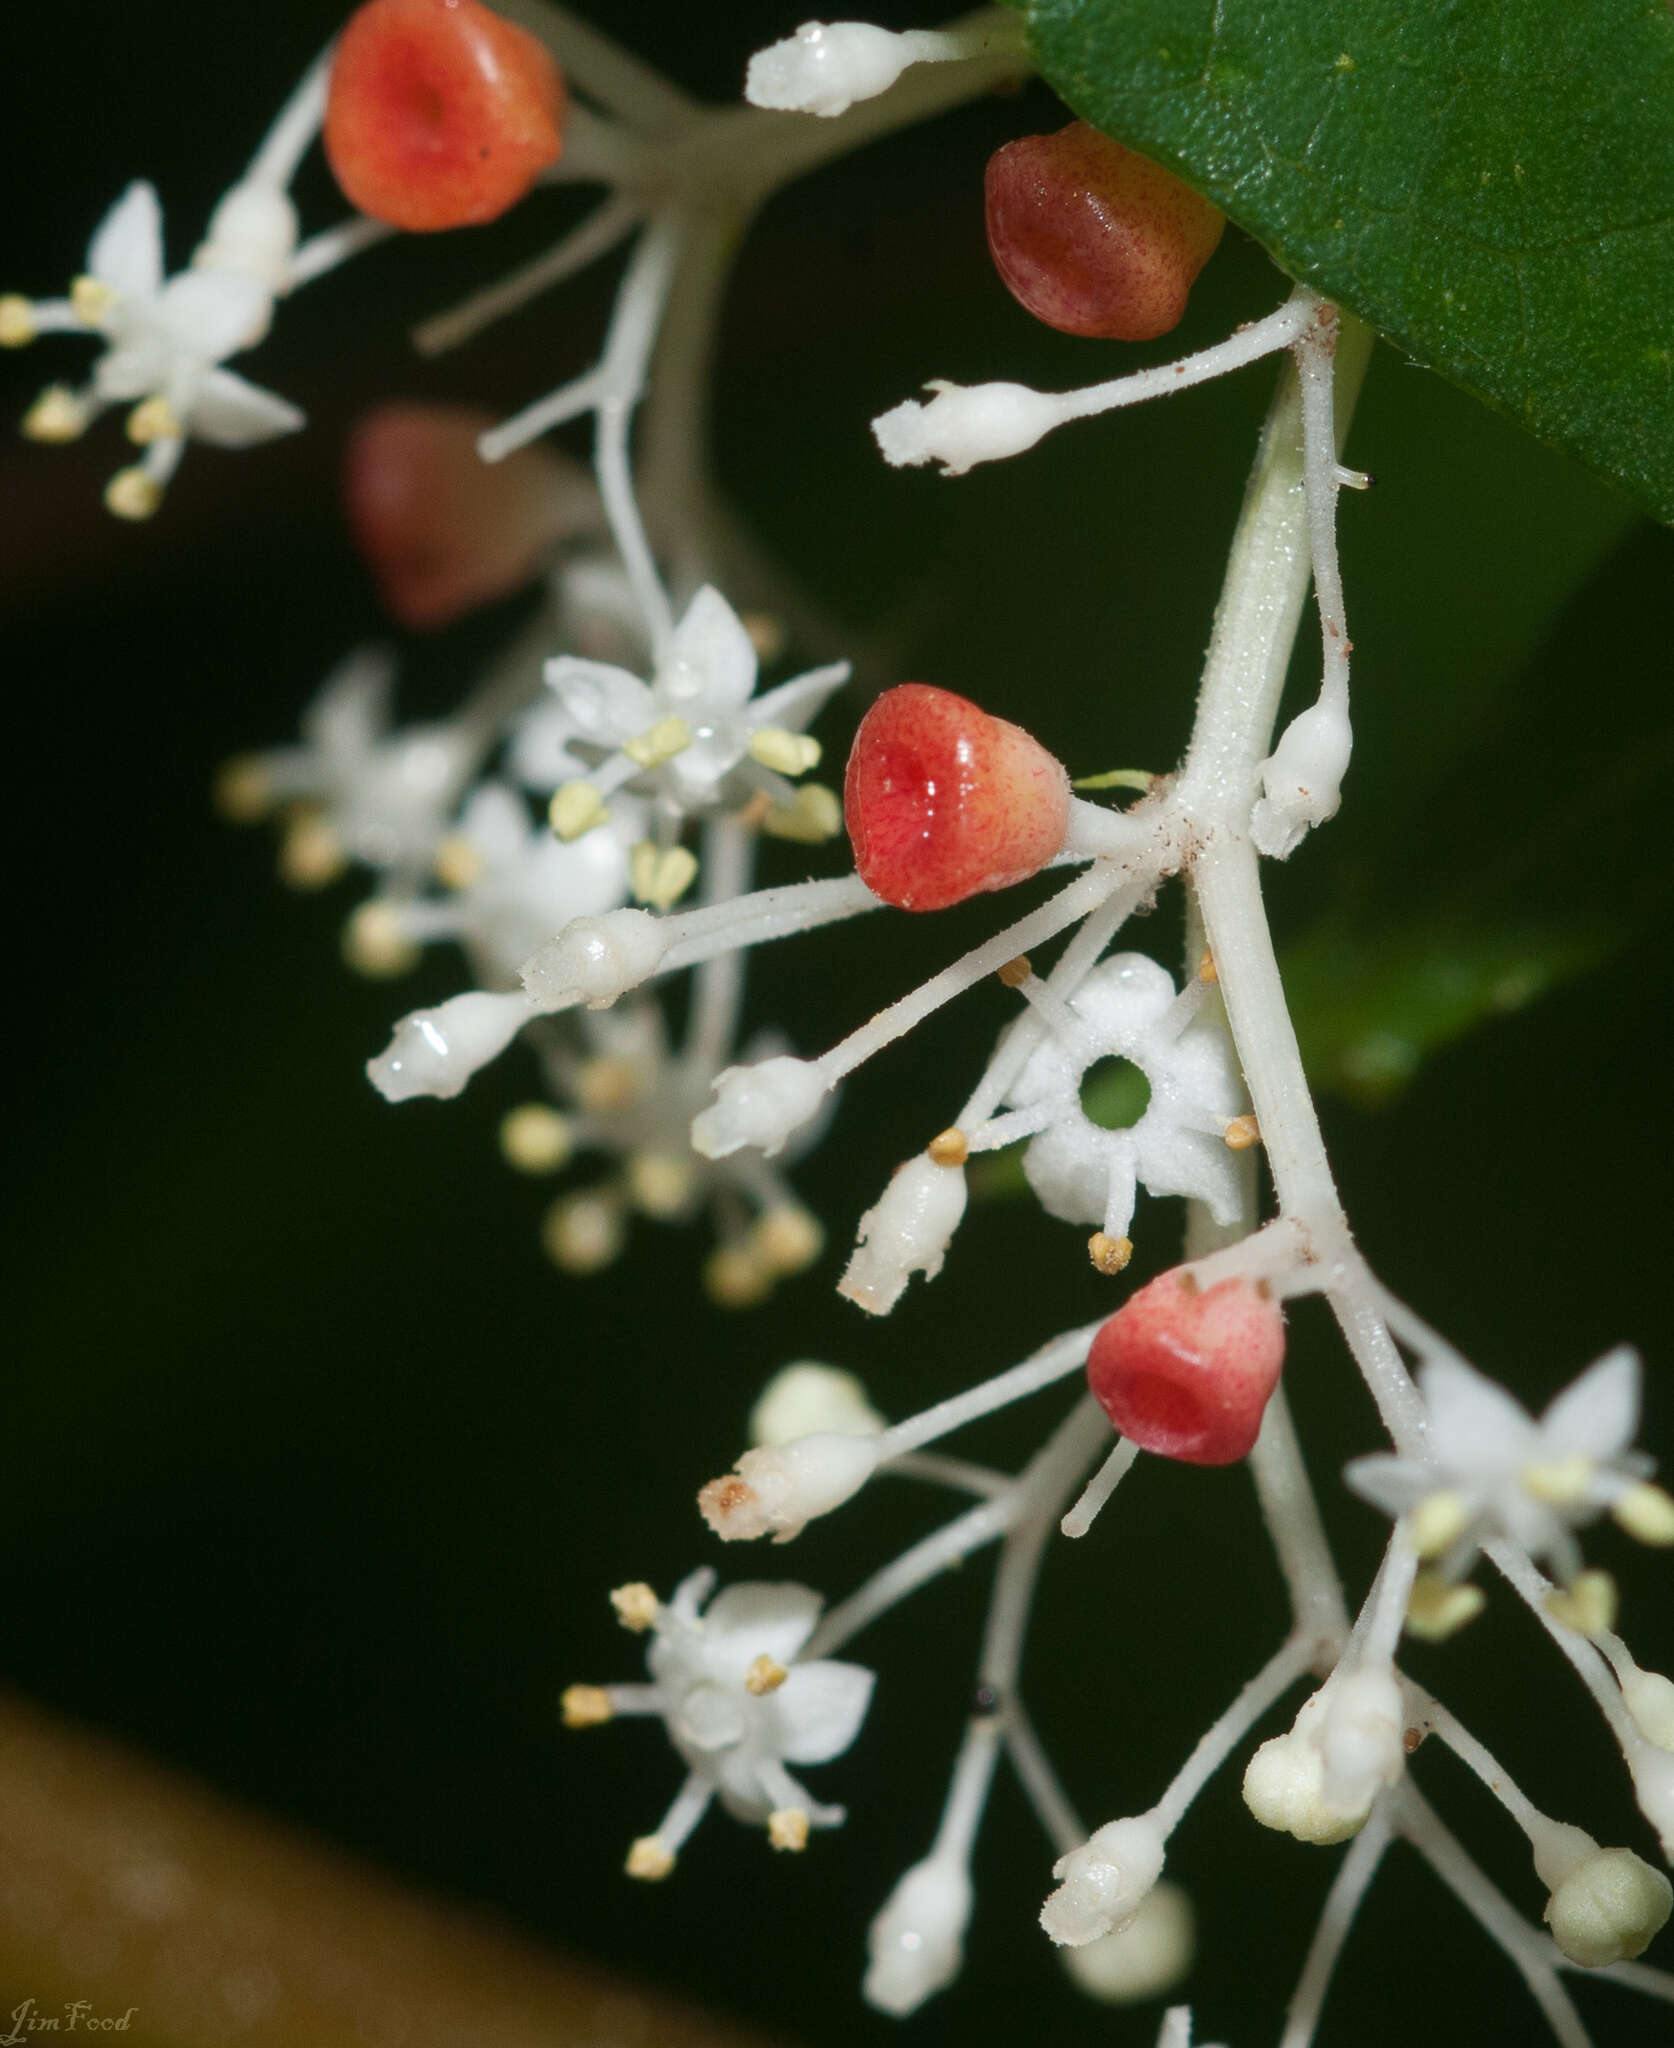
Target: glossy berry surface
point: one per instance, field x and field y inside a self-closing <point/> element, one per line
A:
<point x="1188" y="1372"/>
<point x="441" y="530"/>
<point x="943" y="800"/>
<point x="1093" y="239"/>
<point x="440" y="114"/>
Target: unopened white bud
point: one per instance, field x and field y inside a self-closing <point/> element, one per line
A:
<point x="1360" y="1739"/>
<point x="758" y="1105"/>
<point x="435" y="1052"/>
<point x="917" y="1942"/>
<point x="594" y="960"/>
<point x="254" y="229"/>
<point x="1103" y="1883"/>
<point x="778" y="1489"/>
<point x="965" y="424"/>
<point x="808" y="1398"/>
<point x="1284" y="1789"/>
<point x="1609" y="1908"/>
<point x="1144" y="1959"/>
<point x="825" y="67"/>
<point x="1649" y="1698"/>
<point x="906" y="1231"/>
<point x="1302" y="779"/>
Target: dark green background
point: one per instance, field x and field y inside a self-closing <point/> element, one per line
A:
<point x="315" y="1475"/>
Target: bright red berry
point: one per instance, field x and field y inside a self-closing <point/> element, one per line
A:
<point x="1093" y="239"/>
<point x="943" y="800"/>
<point x="442" y="530"/>
<point x="1187" y="1372"/>
<point x="440" y="114"/>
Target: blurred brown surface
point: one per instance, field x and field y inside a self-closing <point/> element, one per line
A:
<point x="140" y="1895"/>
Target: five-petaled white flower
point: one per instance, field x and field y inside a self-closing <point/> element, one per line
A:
<point x="695" y="736"/>
<point x="1495" y="1471"/>
<point x="739" y="1708"/>
<point x="167" y="337"/>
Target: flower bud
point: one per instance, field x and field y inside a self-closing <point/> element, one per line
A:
<point x="916" y="1943"/>
<point x="1302" y="779"/>
<point x="1103" y="1883"/>
<point x="805" y="1398"/>
<point x="906" y="1231"/>
<point x="964" y="425"/>
<point x="780" y="1488"/>
<point x="1649" y="1698"/>
<point x="758" y="1105"/>
<point x="1284" y="1789"/>
<point x="1609" y="1908"/>
<point x="825" y="67"/>
<point x="595" y="959"/>
<point x="1361" y="1738"/>
<point x="435" y="1052"/>
<point x="253" y="229"/>
<point x="1143" y="1959"/>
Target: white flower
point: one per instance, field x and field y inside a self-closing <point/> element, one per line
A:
<point x="694" y="736"/>
<point x="1086" y="1174"/>
<point x="166" y="338"/>
<point x="1494" y="1471"/>
<point x="737" y="1705"/>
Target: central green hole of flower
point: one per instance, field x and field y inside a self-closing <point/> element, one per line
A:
<point x="1114" y="1093"/>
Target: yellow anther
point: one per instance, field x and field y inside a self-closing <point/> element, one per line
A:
<point x="1437" y="1523"/>
<point x="1016" y="972"/>
<point x="243" y="790"/>
<point x="733" y="1277"/>
<point x="583" y="1233"/>
<point x="91" y="300"/>
<point x="1207" y="972"/>
<point x="658" y="743"/>
<point x="312" y="854"/>
<point x="661" y="875"/>
<point x="1587" y="1604"/>
<point x="17" y="321"/>
<point x="787" y="1828"/>
<point x="57" y="416"/>
<point x="534" y="1138"/>
<point x="949" y="1147"/>
<point x="1109" y="1254"/>
<point x="766" y="1674"/>
<point x="375" y="943"/>
<point x="1646" y="1512"/>
<point x="650" y="1859"/>
<point x="133" y="494"/>
<point x="660" y="1184"/>
<point x="586" y="1706"/>
<point x="153" y="419"/>
<point x="786" y="1240"/>
<point x="457" y="863"/>
<point x="636" y="1606"/>
<point x="786" y="753"/>
<point x="1560" y="1482"/>
<point x="608" y="1084"/>
<point x="811" y="816"/>
<point x="576" y="807"/>
<point x="1241" y="1133"/>
<point x="1437" y="1610"/>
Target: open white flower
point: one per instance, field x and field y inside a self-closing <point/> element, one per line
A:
<point x="1495" y="1471"/>
<point x="167" y="337"/>
<point x="738" y="1708"/>
<point x="694" y="736"/>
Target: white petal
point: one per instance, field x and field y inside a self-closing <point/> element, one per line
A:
<point x="688" y="1597"/>
<point x="795" y="704"/>
<point x="1476" y="1425"/>
<point x="347" y="718"/>
<point x="758" y="1620"/>
<point x="1391" y="1483"/>
<point x="230" y="413"/>
<point x="214" y="313"/>
<point x="496" y="822"/>
<point x="820" y="1708"/>
<point x="126" y="251"/>
<point x="711" y="658"/>
<point x="1599" y="1415"/>
<point x="608" y="704"/>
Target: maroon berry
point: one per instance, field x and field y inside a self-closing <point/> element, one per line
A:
<point x="1187" y="1372"/>
<point x="1093" y="239"/>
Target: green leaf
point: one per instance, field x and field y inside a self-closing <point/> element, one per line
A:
<point x="1490" y="186"/>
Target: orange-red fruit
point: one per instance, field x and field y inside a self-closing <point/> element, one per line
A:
<point x="943" y="800"/>
<point x="443" y="531"/>
<point x="440" y="113"/>
<point x="1188" y="1372"/>
<point x="1093" y="239"/>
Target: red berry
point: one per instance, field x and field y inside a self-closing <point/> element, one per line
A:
<point x="1093" y="239"/>
<point x="442" y="530"/>
<point x="1187" y="1372"/>
<point x="440" y="114"/>
<point x="942" y="800"/>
